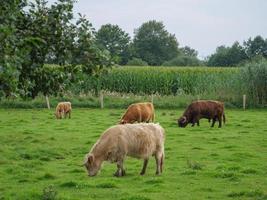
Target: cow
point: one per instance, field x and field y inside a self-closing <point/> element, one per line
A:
<point x="140" y="140"/>
<point x="211" y="110"/>
<point x="63" y="109"/>
<point x="138" y="112"/>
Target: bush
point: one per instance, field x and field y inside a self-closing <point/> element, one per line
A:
<point x="254" y="79"/>
<point x="137" y="62"/>
<point x="49" y="193"/>
<point x="182" y="61"/>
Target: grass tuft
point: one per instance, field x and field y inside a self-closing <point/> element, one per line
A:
<point x="69" y="184"/>
<point x="194" y="165"/>
<point x="49" y="193"/>
<point x="106" y="185"/>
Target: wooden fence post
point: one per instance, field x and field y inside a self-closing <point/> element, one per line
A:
<point x="47" y="101"/>
<point x="101" y="100"/>
<point x="152" y="98"/>
<point x="244" y="102"/>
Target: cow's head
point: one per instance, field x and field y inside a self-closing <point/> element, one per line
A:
<point x="182" y="121"/>
<point x="57" y="115"/>
<point x="122" y="121"/>
<point x="92" y="164"/>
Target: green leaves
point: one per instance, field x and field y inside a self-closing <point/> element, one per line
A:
<point x="153" y="44"/>
<point x="254" y="78"/>
<point x="115" y="40"/>
<point x="39" y="34"/>
<point x="238" y="54"/>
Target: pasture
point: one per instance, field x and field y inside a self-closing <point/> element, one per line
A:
<point x="41" y="158"/>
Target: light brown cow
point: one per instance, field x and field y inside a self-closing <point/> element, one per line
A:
<point x="63" y="109"/>
<point x="135" y="140"/>
<point x="138" y="112"/>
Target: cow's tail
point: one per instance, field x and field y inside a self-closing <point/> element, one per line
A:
<point x="224" y="119"/>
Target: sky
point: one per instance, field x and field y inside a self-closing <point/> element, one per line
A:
<point x="200" y="24"/>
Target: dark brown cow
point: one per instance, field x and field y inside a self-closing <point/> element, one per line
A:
<point x="203" y="109"/>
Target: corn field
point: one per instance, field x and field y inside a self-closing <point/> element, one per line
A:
<point x="226" y="84"/>
<point x="164" y="80"/>
<point x="168" y="80"/>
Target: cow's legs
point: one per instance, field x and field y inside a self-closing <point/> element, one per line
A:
<point x="65" y="114"/>
<point x="120" y="171"/>
<point x="220" y="121"/>
<point x="158" y="156"/>
<point x="69" y="114"/>
<point x="213" y="121"/>
<point x="144" y="167"/>
<point x="195" y="120"/>
<point x="161" y="162"/>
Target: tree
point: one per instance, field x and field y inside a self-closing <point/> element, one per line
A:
<point x="86" y="52"/>
<point x="42" y="28"/>
<point x="32" y="36"/>
<point x="256" y="47"/>
<point x="188" y="51"/>
<point x="227" y="56"/>
<point x="182" y="60"/>
<point x="62" y="32"/>
<point x="186" y="57"/>
<point x="153" y="44"/>
<point x="115" y="40"/>
<point x="10" y="54"/>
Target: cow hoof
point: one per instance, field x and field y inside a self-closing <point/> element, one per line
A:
<point x="142" y="173"/>
<point x="117" y="174"/>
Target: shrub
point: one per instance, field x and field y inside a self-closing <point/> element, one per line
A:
<point x="49" y="193"/>
<point x="182" y="61"/>
<point x="137" y="62"/>
<point x="254" y="80"/>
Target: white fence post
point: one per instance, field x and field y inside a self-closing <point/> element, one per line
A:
<point x="152" y="98"/>
<point x="47" y="101"/>
<point x="101" y="100"/>
<point x="244" y="102"/>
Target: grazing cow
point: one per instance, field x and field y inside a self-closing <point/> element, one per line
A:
<point x="203" y="109"/>
<point x="140" y="112"/>
<point x="135" y="140"/>
<point x="62" y="109"/>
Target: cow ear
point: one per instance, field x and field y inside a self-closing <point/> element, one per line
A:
<point x="90" y="159"/>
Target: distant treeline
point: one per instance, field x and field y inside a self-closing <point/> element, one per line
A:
<point x="33" y="33"/>
<point x="153" y="45"/>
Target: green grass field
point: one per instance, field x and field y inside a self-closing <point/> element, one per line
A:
<point x="41" y="158"/>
